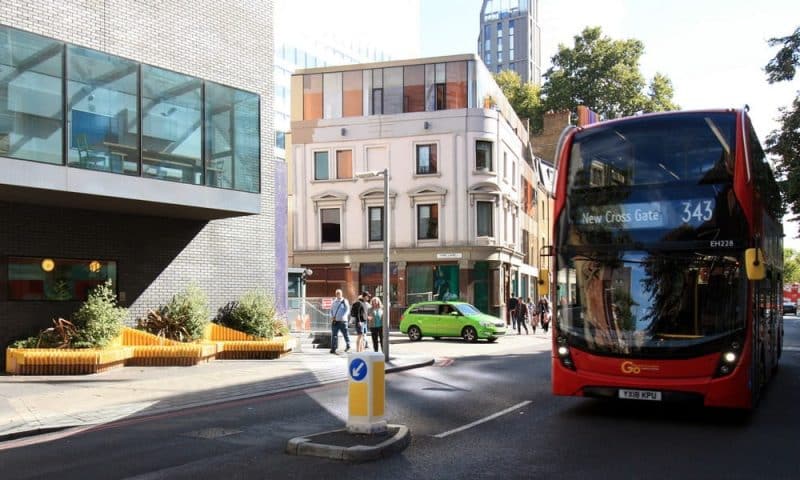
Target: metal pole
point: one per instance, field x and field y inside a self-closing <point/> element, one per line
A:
<point x="386" y="275"/>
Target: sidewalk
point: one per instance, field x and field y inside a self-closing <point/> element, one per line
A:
<point x="38" y="404"/>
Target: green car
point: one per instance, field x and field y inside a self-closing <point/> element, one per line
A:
<point x="450" y="319"/>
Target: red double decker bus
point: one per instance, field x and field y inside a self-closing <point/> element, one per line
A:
<point x="667" y="259"/>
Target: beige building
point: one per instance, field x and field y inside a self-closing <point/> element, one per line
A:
<point x="462" y="182"/>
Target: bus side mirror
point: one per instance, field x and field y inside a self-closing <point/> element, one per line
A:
<point x="754" y="264"/>
<point x="546" y="251"/>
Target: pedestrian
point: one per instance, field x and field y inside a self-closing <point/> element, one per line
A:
<point x="522" y="314"/>
<point x="512" y="310"/>
<point x="544" y="313"/>
<point x="340" y="310"/>
<point x="376" y="323"/>
<point x="533" y="314"/>
<point x="361" y="308"/>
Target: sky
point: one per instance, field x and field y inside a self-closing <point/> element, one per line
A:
<point x="714" y="51"/>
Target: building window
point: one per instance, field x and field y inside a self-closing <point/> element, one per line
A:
<point x="171" y="125"/>
<point x="280" y="139"/>
<point x="353" y="102"/>
<point x="375" y="224"/>
<point x="332" y="95"/>
<point x="233" y="148"/>
<point x="31" y="99"/>
<point x="344" y="164"/>
<point x="414" y="88"/>
<point x="483" y="156"/>
<point x="426" y="159"/>
<point x="511" y="40"/>
<point x="57" y="279"/>
<point x="428" y="222"/>
<point x="377" y="101"/>
<point x="505" y="166"/>
<point x="456" y="85"/>
<point x="330" y="225"/>
<point x="485" y="216"/>
<point x="321" y="170"/>
<point x="312" y="97"/>
<point x="102" y="121"/>
<point x="393" y="90"/>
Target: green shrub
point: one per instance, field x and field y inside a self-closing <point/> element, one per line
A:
<point x="99" y="320"/>
<point x="255" y="314"/>
<point x="184" y="318"/>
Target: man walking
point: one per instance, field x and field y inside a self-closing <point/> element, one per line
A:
<point x="339" y="313"/>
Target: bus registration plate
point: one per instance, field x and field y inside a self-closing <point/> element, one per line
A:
<point x="640" y="395"/>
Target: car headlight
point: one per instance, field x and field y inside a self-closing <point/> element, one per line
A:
<point x="487" y="323"/>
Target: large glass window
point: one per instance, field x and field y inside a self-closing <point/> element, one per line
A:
<point x="332" y="95"/>
<point x="344" y="164"/>
<point x="428" y="222"/>
<point x="456" y="85"/>
<point x="485" y="213"/>
<point x="321" y="166"/>
<point x="393" y="90"/>
<point x="103" y="120"/>
<point x="414" y="88"/>
<point x="31" y="112"/>
<point x="330" y="225"/>
<point x="312" y="97"/>
<point x="352" y="94"/>
<point x="56" y="279"/>
<point x="171" y="126"/>
<point x="426" y="159"/>
<point x="375" y="224"/>
<point x="483" y="155"/>
<point x="232" y="141"/>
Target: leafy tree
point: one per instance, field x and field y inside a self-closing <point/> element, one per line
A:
<point x="525" y="98"/>
<point x="603" y="74"/>
<point x="791" y="266"/>
<point x="785" y="142"/>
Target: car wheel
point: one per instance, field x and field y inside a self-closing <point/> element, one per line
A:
<point x="491" y="339"/>
<point x="414" y="333"/>
<point x="469" y="334"/>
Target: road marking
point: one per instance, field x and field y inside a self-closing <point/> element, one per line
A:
<point x="483" y="420"/>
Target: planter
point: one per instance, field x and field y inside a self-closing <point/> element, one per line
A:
<point x="235" y="345"/>
<point x="61" y="361"/>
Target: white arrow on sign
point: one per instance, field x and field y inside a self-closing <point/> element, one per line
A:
<point x="357" y="370"/>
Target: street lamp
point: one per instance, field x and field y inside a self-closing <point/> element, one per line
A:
<point x="386" y="284"/>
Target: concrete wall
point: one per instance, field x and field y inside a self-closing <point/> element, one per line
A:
<point x="225" y="42"/>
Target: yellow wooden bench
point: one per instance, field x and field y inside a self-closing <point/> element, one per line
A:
<point x="63" y="361"/>
<point x="151" y="350"/>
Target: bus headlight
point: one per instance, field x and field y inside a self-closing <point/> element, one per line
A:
<point x="728" y="359"/>
<point x="563" y="352"/>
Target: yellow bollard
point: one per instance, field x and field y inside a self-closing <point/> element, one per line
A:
<point x="366" y="393"/>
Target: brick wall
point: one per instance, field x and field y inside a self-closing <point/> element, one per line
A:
<point x="225" y="42"/>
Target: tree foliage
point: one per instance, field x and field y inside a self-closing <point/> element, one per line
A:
<point x="791" y="266"/>
<point x="784" y="143"/>
<point x="603" y="74"/>
<point x="525" y="98"/>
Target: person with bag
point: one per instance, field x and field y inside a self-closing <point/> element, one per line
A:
<point x="376" y="323"/>
<point x="339" y="313"/>
<point x="533" y="314"/>
<point x="544" y="313"/>
<point x="359" y="313"/>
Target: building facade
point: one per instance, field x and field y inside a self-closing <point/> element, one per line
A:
<point x="136" y="145"/>
<point x="333" y="35"/>
<point x="461" y="179"/>
<point x="510" y="38"/>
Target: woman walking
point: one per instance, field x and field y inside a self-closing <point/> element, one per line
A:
<point x="376" y="323"/>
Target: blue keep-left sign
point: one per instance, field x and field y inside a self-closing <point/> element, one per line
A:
<point x="357" y="369"/>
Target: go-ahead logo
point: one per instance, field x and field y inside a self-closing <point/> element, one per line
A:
<point x="634" y="369"/>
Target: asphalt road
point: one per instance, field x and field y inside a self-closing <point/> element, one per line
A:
<point x="484" y="411"/>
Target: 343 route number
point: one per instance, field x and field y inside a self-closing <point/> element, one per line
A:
<point x="699" y="211"/>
